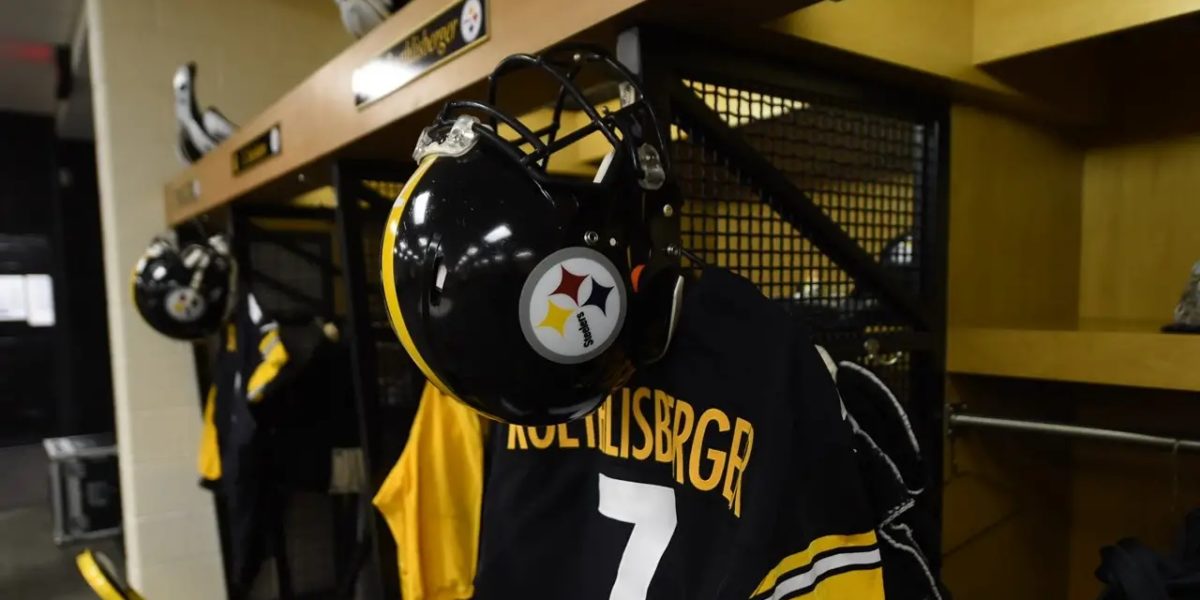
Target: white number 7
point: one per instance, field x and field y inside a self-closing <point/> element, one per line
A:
<point x="651" y="509"/>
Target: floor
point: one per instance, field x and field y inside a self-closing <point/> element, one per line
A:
<point x="32" y="567"/>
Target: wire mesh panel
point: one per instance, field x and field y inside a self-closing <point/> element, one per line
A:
<point x="867" y="171"/>
<point x="827" y="193"/>
<point x="387" y="383"/>
<point x="286" y="260"/>
<point x="397" y="377"/>
<point x="292" y="285"/>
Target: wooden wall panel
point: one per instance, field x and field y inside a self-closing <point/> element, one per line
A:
<point x="1142" y="358"/>
<point x="1140" y="235"/>
<point x="1062" y="89"/>
<point x="1006" y="498"/>
<point x="1026" y="515"/>
<point x="1153" y="93"/>
<point x="1122" y="491"/>
<point x="1006" y="28"/>
<point x="1014" y="223"/>
<point x="899" y="33"/>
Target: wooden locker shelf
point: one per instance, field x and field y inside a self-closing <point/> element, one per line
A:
<point x="319" y="121"/>
<point x="1010" y="28"/>
<point x="1144" y="358"/>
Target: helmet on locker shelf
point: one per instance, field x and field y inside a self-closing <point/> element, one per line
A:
<point x="361" y="16"/>
<point x="185" y="294"/>
<point x="525" y="294"/>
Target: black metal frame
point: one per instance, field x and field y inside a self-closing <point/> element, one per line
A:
<point x="242" y="234"/>
<point x="663" y="58"/>
<point x="365" y="558"/>
<point x="358" y="206"/>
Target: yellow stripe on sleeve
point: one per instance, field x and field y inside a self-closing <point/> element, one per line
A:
<point x="805" y="557"/>
<point x="209" y="460"/>
<point x="275" y="357"/>
<point x="272" y="337"/>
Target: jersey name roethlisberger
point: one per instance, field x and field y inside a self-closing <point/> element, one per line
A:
<point x="650" y="425"/>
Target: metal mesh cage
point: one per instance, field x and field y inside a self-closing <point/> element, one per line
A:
<point x="866" y="172"/>
<point x="292" y="270"/>
<point x="389" y="384"/>
<point x="286" y="258"/>
<point x="394" y="372"/>
<point x="373" y="246"/>
<point x="397" y="381"/>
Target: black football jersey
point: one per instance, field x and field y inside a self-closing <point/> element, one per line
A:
<point x="268" y="426"/>
<point x="725" y="470"/>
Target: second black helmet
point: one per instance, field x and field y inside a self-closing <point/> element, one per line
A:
<point x="184" y="293"/>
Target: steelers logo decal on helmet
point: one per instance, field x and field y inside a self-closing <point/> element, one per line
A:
<point x="185" y="305"/>
<point x="572" y="305"/>
<point x="471" y="22"/>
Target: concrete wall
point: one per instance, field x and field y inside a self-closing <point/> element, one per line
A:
<point x="249" y="53"/>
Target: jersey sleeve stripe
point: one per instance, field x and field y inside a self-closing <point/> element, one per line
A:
<point x="818" y="547"/>
<point x="814" y="572"/>
<point x="275" y="356"/>
<point x="860" y="582"/>
<point x="858" y="570"/>
<point x="268" y="341"/>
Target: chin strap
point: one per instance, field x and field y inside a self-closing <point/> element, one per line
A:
<point x="657" y="301"/>
<point x="658" y="283"/>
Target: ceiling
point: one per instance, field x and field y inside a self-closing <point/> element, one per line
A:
<point x="30" y="30"/>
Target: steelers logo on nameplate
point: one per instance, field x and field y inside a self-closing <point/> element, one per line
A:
<point x="572" y="305"/>
<point x="471" y="20"/>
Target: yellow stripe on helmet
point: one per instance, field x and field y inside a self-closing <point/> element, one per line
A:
<point x="105" y="588"/>
<point x="389" y="281"/>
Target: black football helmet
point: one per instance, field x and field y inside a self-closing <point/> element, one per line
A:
<point x="525" y="294"/>
<point x="185" y="294"/>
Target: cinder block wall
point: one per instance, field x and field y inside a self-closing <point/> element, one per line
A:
<point x="249" y="54"/>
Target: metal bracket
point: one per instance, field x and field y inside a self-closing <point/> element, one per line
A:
<point x="650" y="163"/>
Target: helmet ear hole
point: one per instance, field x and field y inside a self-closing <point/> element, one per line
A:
<point x="439" y="272"/>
